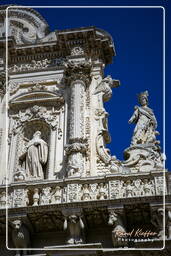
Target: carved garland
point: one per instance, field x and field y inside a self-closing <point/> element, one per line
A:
<point x="36" y="113"/>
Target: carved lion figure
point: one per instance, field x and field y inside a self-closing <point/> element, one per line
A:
<point x="20" y="237"/>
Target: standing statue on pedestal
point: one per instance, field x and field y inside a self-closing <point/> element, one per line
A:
<point x="146" y="124"/>
<point x="144" y="153"/>
<point x="35" y="157"/>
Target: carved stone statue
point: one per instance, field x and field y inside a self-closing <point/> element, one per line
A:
<point x="56" y="195"/>
<point x="147" y="188"/>
<point x="102" y="192"/>
<point x="157" y="221"/>
<point x="36" y="197"/>
<point x="20" y="237"/>
<point x="75" y="225"/>
<point x="128" y="189"/>
<point x="144" y="154"/>
<point x="118" y="230"/>
<point x="86" y="193"/>
<point x="146" y="124"/>
<point x="35" y="157"/>
<point x="45" y="197"/>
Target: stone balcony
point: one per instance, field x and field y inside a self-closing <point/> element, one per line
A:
<point x="117" y="187"/>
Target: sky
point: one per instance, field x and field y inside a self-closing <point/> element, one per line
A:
<point x="138" y="38"/>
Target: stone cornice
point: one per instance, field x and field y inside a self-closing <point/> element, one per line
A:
<point x="95" y="42"/>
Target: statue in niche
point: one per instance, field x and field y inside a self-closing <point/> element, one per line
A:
<point x="35" y="157"/>
<point x="146" y="124"/>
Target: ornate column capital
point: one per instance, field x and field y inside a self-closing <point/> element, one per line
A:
<point x="78" y="71"/>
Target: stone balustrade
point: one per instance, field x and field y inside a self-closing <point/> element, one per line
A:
<point x="22" y="194"/>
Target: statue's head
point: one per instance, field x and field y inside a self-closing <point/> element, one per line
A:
<point x="112" y="218"/>
<point x="73" y="218"/>
<point x="143" y="98"/>
<point x="160" y="211"/>
<point x="37" y="134"/>
<point x="16" y="224"/>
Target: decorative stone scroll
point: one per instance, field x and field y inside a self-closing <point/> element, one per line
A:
<point x="25" y="24"/>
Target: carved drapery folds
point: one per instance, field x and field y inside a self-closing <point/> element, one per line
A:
<point x="77" y="76"/>
<point x="34" y="157"/>
<point x="144" y="154"/>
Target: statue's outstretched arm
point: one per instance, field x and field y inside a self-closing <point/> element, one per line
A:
<point x="134" y="117"/>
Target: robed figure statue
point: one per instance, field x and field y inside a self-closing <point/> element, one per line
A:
<point x="146" y="124"/>
<point x="35" y="157"/>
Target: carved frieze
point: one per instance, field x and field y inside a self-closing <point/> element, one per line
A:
<point x="35" y="65"/>
<point x="20" y="197"/>
<point x="81" y="190"/>
<point x="36" y="85"/>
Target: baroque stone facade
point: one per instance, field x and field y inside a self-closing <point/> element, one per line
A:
<point x="64" y="188"/>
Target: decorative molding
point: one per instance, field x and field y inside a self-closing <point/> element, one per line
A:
<point x="79" y="190"/>
<point x="49" y="115"/>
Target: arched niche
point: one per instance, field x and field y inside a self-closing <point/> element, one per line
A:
<point x="36" y="125"/>
<point x="25" y="136"/>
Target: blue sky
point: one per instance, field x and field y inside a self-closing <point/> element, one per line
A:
<point x="138" y="39"/>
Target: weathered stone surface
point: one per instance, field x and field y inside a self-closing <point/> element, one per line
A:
<point x="64" y="186"/>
